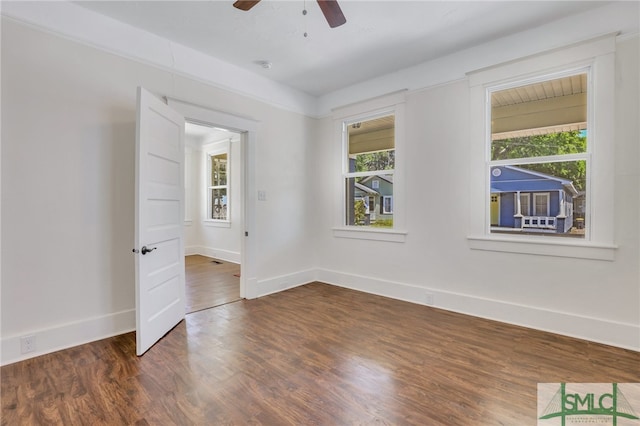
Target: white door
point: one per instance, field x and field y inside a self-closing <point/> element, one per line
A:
<point x="159" y="238"/>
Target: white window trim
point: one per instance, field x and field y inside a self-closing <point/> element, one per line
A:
<point x="393" y="103"/>
<point x="598" y="54"/>
<point x="210" y="150"/>
<point x="515" y="200"/>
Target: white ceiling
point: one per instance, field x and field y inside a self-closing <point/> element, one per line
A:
<point x="379" y="37"/>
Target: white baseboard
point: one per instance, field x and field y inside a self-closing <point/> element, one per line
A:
<point x="226" y="255"/>
<point x="612" y="333"/>
<point x="594" y="329"/>
<point x="284" y="282"/>
<point x="191" y="250"/>
<point x="68" y="335"/>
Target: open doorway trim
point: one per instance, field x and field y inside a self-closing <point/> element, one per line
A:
<point x="248" y="129"/>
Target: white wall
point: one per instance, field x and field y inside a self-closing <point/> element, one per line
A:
<point x="597" y="300"/>
<point x="191" y="199"/>
<point x="68" y="132"/>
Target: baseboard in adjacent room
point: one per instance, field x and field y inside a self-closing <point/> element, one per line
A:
<point x="226" y="255"/>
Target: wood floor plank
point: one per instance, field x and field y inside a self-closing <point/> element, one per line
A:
<point x="312" y="355"/>
<point x="210" y="282"/>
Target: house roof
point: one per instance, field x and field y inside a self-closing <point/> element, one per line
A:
<point x="528" y="180"/>
<point x="366" y="189"/>
<point x="388" y="178"/>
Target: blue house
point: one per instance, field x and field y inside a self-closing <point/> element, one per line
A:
<point x="525" y="200"/>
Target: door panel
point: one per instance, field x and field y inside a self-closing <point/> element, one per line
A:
<point x="160" y="281"/>
<point x="495" y="210"/>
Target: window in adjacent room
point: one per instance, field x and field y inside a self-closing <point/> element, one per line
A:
<point x="218" y="186"/>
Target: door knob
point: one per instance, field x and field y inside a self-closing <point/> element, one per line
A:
<point x="146" y="250"/>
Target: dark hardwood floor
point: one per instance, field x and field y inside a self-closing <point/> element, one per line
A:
<point x="209" y="283"/>
<point x="312" y="355"/>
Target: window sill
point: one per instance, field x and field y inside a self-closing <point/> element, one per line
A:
<point x="217" y="223"/>
<point x="389" y="235"/>
<point x="577" y="250"/>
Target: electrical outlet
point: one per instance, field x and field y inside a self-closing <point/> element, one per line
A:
<point x="428" y="299"/>
<point x="27" y="344"/>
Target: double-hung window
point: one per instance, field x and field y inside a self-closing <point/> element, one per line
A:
<point x="218" y="183"/>
<point x="541" y="153"/>
<point x="369" y="164"/>
<point x="370" y="167"/>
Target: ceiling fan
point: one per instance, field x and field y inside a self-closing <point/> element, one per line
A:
<point x="330" y="9"/>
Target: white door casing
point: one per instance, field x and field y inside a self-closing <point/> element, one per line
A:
<point x="159" y="211"/>
<point x="248" y="128"/>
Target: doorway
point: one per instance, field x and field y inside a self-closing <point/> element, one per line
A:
<point x="248" y="130"/>
<point x="213" y="216"/>
<point x="160" y="210"/>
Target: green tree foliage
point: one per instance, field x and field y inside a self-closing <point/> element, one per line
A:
<point x="360" y="212"/>
<point x="382" y="160"/>
<point x="544" y="145"/>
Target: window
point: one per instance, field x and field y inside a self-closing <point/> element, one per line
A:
<point x="524" y="204"/>
<point x="369" y="169"/>
<point x="368" y="163"/>
<point x="387" y="204"/>
<point x="218" y="186"/>
<point x="541" y="204"/>
<point x="538" y="142"/>
<point x="579" y="150"/>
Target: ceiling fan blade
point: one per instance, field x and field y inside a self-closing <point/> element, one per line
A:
<point x="333" y="13"/>
<point x="245" y="4"/>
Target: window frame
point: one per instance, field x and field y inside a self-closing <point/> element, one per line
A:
<point x="583" y="156"/>
<point x="354" y="175"/>
<point x="547" y="203"/>
<point x="599" y="56"/>
<point x="384" y="204"/>
<point x="393" y="103"/>
<point x="210" y="151"/>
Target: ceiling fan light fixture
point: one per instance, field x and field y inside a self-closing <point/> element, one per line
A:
<point x="330" y="9"/>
